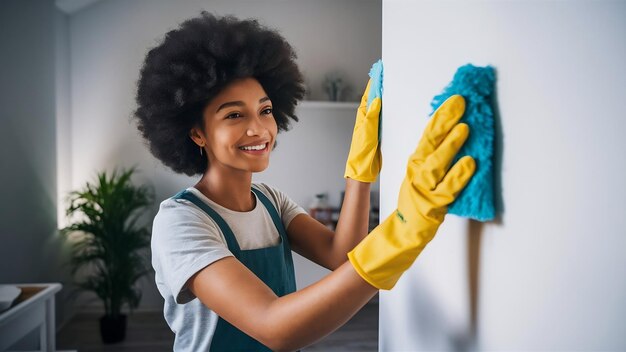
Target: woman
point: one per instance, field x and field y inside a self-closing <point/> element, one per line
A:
<point x="211" y="99"/>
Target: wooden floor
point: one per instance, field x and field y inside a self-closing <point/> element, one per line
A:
<point x="147" y="331"/>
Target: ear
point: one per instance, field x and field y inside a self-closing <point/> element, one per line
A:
<point x="196" y="135"/>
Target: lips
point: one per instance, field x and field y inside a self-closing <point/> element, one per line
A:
<point x="255" y="147"/>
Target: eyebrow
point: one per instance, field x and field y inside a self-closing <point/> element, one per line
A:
<point x="239" y="103"/>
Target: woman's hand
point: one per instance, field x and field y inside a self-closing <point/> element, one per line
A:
<point x="365" y="160"/>
<point x="429" y="187"/>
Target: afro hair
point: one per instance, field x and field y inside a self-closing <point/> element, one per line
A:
<point x="192" y="64"/>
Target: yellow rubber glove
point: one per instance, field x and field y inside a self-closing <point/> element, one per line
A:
<point x="364" y="160"/>
<point x="429" y="187"/>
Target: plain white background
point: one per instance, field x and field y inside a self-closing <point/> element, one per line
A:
<point x="551" y="274"/>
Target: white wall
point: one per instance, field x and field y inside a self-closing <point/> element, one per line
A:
<point x="551" y="272"/>
<point x="109" y="40"/>
<point x="29" y="245"/>
<point x="27" y="138"/>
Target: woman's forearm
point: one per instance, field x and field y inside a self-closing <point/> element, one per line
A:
<point x="353" y="219"/>
<point x="283" y="323"/>
<point x="305" y="316"/>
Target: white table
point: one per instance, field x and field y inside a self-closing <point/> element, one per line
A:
<point x="33" y="309"/>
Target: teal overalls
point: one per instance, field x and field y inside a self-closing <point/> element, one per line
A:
<point x="273" y="265"/>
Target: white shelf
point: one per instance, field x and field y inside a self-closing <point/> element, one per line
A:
<point x="318" y="104"/>
<point x="33" y="309"/>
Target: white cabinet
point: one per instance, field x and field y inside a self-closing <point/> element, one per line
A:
<point x="33" y="309"/>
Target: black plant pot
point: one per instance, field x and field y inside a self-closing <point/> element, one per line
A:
<point x="113" y="329"/>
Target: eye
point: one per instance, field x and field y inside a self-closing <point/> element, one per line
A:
<point x="267" y="111"/>
<point x="233" y="115"/>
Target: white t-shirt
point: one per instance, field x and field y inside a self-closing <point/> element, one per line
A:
<point x="185" y="240"/>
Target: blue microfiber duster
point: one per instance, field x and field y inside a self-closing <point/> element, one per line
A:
<point x="376" y="91"/>
<point x="476" y="85"/>
<point x="376" y="87"/>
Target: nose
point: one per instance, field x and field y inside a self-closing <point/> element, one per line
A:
<point x="256" y="127"/>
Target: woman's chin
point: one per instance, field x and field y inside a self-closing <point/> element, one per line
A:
<point x="259" y="168"/>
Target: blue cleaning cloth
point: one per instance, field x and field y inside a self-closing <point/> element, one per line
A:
<point x="376" y="91"/>
<point x="376" y="87"/>
<point x="476" y="85"/>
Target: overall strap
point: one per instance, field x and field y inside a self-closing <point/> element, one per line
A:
<point x="281" y="230"/>
<point x="272" y="210"/>
<point x="228" y="233"/>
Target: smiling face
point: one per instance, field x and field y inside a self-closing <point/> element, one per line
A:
<point x="239" y="128"/>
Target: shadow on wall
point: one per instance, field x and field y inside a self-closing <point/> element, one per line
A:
<point x="427" y="316"/>
<point x="475" y="231"/>
<point x="428" y="319"/>
<point x="32" y="250"/>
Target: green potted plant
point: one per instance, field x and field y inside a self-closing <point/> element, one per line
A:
<point x="107" y="245"/>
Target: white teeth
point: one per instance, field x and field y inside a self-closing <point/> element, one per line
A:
<point x="254" y="147"/>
